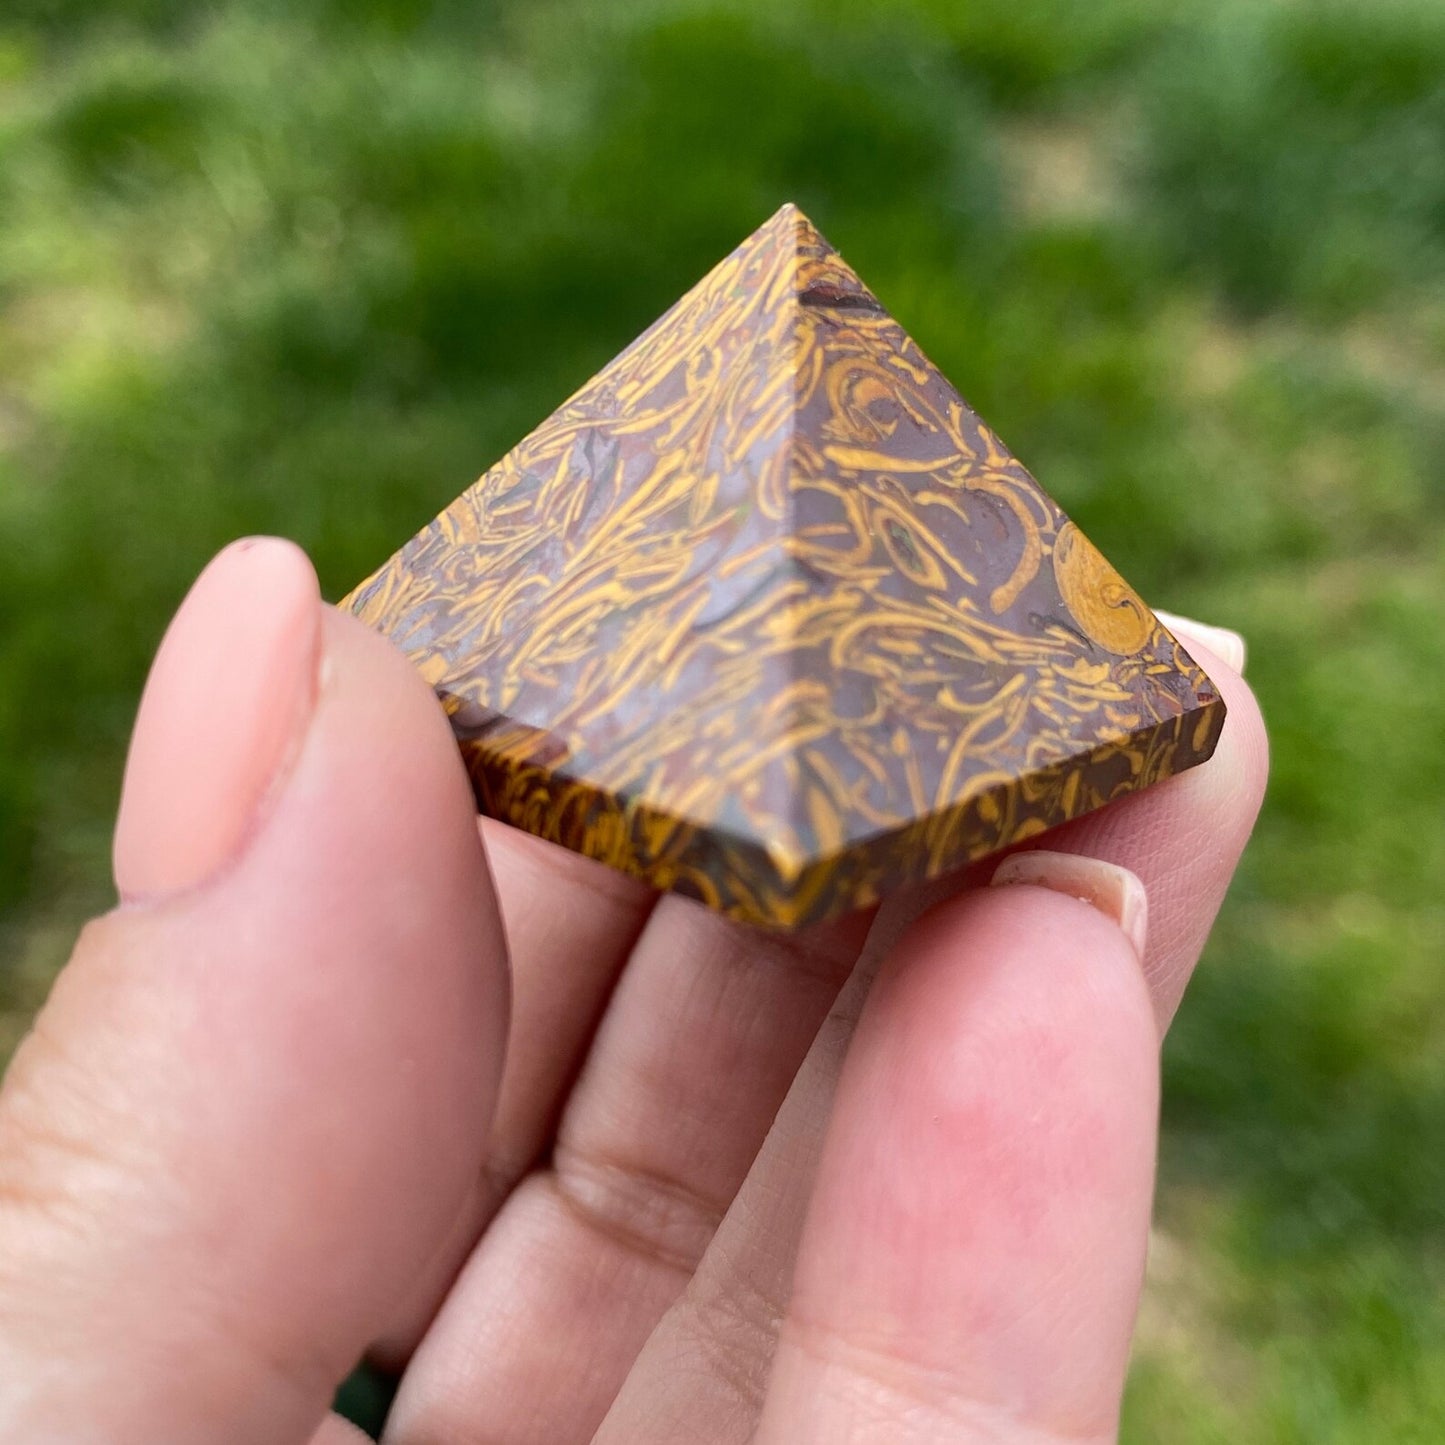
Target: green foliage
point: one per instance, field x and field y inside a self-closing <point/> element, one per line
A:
<point x="308" y="267"/>
<point x="1292" y="152"/>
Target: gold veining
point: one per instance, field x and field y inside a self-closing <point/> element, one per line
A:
<point x="767" y="614"/>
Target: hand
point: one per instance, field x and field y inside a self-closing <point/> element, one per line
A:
<point x="279" y="1110"/>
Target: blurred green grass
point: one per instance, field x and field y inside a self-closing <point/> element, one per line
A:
<point x="308" y="267"/>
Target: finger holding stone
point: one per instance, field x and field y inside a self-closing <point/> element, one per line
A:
<point x="973" y="1253"/>
<point x="708" y="1359"/>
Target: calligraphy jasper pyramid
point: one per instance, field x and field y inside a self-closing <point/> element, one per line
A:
<point x="768" y="615"/>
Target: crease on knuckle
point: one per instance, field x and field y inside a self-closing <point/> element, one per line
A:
<point x="733" y="1323"/>
<point x="57" y="1153"/>
<point x="277" y="1362"/>
<point x="888" y="1384"/>
<point x="652" y="1215"/>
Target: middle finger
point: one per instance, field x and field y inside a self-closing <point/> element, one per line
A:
<point x="695" y="1052"/>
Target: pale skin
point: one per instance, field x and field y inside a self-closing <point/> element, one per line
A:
<point x="345" y="1073"/>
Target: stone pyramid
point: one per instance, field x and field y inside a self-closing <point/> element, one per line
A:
<point x="768" y="615"/>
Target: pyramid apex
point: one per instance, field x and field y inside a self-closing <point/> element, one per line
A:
<point x="790" y="217"/>
<point x="789" y="213"/>
<point x="817" y="275"/>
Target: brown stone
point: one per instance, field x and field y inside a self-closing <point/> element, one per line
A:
<point x="767" y="614"/>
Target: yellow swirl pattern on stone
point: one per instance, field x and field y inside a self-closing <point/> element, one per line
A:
<point x="765" y="613"/>
<point x="1108" y="609"/>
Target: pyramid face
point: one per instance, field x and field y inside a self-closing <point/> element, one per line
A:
<point x="767" y="614"/>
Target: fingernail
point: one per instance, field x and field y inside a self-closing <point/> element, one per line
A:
<point x="1116" y="892"/>
<point x="1222" y="640"/>
<point x="227" y="702"/>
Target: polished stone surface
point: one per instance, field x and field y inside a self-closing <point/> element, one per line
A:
<point x="768" y="615"/>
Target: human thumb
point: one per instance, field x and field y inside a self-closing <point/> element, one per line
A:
<point x="250" y="1110"/>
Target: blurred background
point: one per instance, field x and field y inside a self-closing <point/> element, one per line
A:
<point x="308" y="266"/>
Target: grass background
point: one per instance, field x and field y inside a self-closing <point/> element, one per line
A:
<point x="307" y="266"/>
